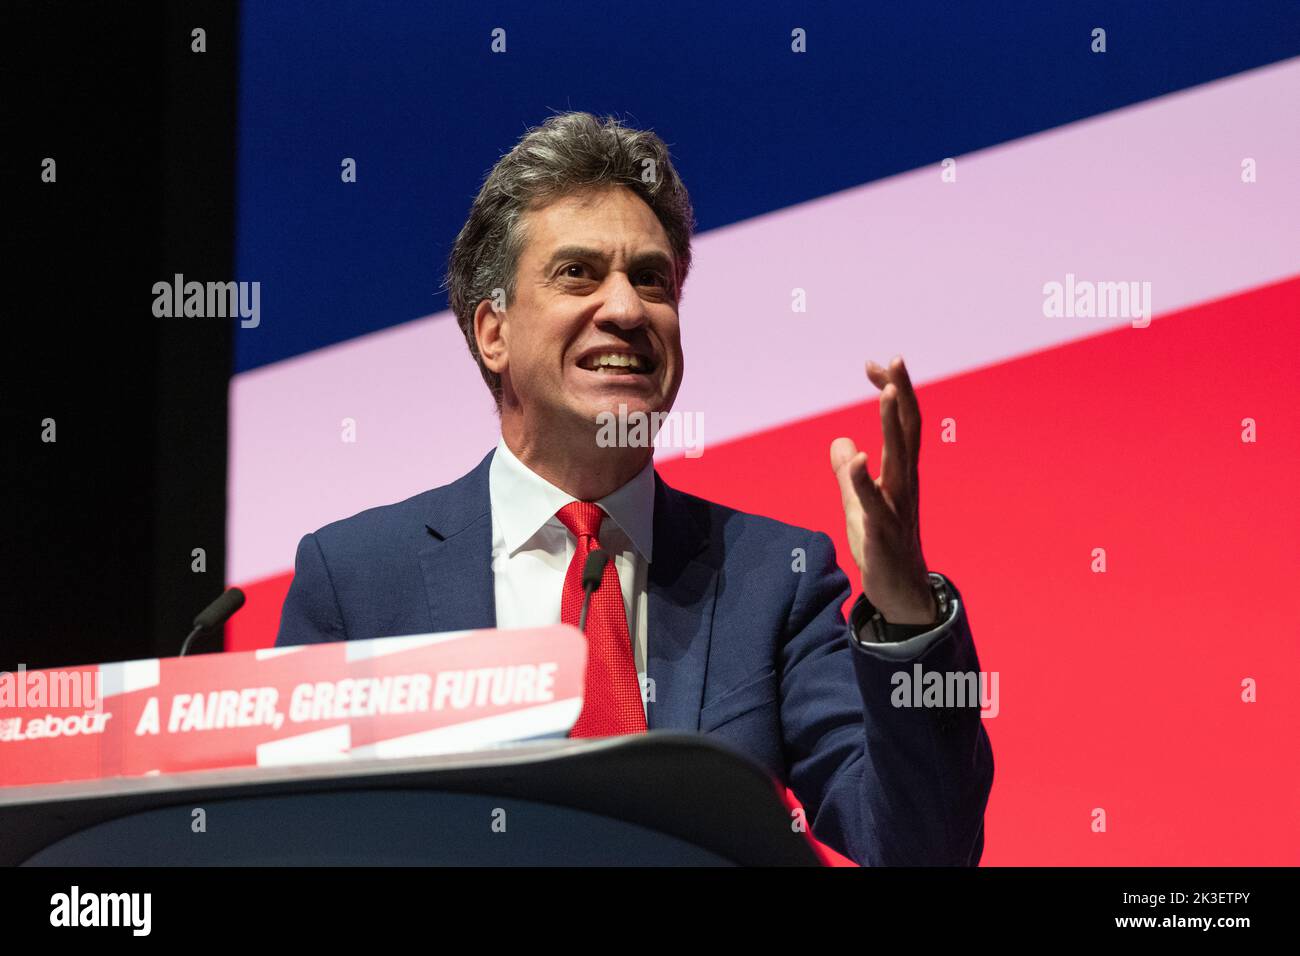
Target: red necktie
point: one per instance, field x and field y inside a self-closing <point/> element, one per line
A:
<point x="611" y="703"/>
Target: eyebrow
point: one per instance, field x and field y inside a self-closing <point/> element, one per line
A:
<point x="640" y="260"/>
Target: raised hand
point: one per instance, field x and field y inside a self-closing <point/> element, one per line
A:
<point x="882" y="514"/>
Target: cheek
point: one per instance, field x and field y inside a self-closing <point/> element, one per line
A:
<point x="674" y="344"/>
<point x="670" y="334"/>
<point x="528" y="353"/>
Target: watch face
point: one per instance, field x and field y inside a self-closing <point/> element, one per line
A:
<point x="942" y="596"/>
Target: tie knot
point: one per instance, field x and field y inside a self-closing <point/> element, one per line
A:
<point x="581" y="518"/>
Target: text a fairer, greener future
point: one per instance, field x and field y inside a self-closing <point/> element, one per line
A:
<point x="353" y="697"/>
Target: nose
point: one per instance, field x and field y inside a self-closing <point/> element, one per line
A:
<point x="622" y="305"/>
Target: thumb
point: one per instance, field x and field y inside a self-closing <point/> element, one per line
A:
<point x="843" y="452"/>
<point x="857" y="490"/>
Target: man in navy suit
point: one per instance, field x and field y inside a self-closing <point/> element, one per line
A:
<point x="566" y="281"/>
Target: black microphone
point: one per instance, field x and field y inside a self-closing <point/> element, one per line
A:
<point x="593" y="572"/>
<point x="214" y="615"/>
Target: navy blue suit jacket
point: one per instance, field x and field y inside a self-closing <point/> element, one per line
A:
<point x="741" y="647"/>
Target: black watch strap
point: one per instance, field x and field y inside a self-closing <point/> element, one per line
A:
<point x="873" y="628"/>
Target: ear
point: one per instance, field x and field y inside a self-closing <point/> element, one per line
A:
<point x="490" y="334"/>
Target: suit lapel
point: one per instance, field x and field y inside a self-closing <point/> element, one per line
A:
<point x="682" y="589"/>
<point x="457" y="563"/>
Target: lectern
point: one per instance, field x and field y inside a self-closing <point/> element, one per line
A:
<point x="644" y="800"/>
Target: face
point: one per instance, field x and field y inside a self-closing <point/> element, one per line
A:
<point x="594" y="321"/>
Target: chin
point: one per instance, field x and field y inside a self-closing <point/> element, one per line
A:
<point x="625" y="404"/>
<point x="602" y="414"/>
<point x="589" y="403"/>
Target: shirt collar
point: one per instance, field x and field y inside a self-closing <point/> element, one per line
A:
<point x="523" y="501"/>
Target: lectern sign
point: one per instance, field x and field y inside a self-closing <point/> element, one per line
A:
<point x="391" y="697"/>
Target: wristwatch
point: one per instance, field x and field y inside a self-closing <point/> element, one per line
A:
<point x="866" y="620"/>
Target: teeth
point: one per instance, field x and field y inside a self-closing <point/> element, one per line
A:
<point x="616" y="360"/>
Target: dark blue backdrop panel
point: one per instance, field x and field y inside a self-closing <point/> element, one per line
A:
<point x="414" y="94"/>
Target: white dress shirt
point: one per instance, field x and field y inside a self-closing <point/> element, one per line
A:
<point x="531" y="548"/>
<point x="531" y="551"/>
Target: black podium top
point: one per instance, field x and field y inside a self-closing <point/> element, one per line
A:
<point x="648" y="799"/>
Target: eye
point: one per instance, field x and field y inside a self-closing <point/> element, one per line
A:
<point x="652" y="277"/>
<point x="574" y="270"/>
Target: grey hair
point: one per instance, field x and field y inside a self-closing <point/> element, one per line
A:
<point x="567" y="154"/>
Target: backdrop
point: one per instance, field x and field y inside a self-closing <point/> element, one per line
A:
<point x="1112" y="492"/>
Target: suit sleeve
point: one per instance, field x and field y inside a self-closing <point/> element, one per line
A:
<point x="311" y="610"/>
<point x="885" y="785"/>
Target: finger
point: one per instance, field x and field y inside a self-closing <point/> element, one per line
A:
<point x="909" y="409"/>
<point x="877" y="373"/>
<point x="894" y="454"/>
<point x="858" y="492"/>
<point x="871" y="501"/>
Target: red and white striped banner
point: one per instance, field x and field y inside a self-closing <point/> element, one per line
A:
<point x="392" y="697"/>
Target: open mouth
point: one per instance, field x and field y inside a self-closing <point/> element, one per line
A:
<point x="617" y="363"/>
